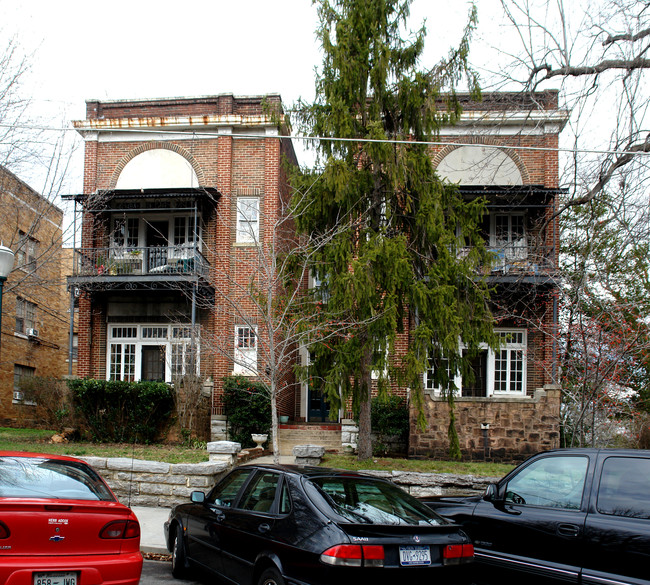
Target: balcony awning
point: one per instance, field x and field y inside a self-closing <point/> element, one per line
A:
<point x="512" y="195"/>
<point x="98" y="200"/>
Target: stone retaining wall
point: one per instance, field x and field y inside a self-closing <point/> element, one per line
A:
<point x="151" y="483"/>
<point x="155" y="484"/>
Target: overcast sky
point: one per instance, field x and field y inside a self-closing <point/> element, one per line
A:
<point x="122" y="49"/>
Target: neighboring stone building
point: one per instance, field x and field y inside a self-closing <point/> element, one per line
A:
<point x="179" y="196"/>
<point x="34" y="336"/>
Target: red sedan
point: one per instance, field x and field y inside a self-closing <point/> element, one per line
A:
<point x="60" y="524"/>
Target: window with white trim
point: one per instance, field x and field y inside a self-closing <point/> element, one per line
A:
<point x="127" y="343"/>
<point x="455" y="380"/>
<point x="508" y="236"/>
<point x="248" y="220"/>
<point x="181" y="364"/>
<point x="126" y="232"/>
<point x="245" y="350"/>
<point x="319" y="286"/>
<point x="122" y="364"/>
<point x="510" y="363"/>
<point x="184" y="231"/>
<point x="494" y="372"/>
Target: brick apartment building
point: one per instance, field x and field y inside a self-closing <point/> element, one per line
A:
<point x="505" y="149"/>
<point x="34" y="336"/>
<point x="179" y="196"/>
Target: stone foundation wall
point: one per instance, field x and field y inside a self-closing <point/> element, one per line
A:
<point x="490" y="429"/>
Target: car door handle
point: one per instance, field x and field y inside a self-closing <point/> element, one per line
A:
<point x="264" y="527"/>
<point x="219" y="516"/>
<point x="571" y="530"/>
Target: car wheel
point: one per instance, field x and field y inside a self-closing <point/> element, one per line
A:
<point x="179" y="558"/>
<point x="271" y="577"/>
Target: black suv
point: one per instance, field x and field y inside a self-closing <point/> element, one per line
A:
<point x="570" y="516"/>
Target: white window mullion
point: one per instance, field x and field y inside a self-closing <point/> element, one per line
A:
<point x="507" y="366"/>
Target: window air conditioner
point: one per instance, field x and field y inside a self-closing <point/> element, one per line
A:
<point x="18" y="395"/>
<point x="32" y="333"/>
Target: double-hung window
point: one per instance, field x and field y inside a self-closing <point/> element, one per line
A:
<point x="182" y="352"/>
<point x="27" y="252"/>
<point x="245" y="350"/>
<point x="510" y="363"/>
<point x="248" y="220"/>
<point x="184" y="231"/>
<point x="126" y="232"/>
<point x="508" y="236"/>
<point x="122" y="353"/>
<point x="25" y="315"/>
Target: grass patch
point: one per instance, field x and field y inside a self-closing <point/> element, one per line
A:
<point x="418" y="465"/>
<point x="37" y="441"/>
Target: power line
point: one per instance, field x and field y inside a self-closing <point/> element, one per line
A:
<point x="338" y="139"/>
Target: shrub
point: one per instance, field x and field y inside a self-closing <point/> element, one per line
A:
<point x="389" y="417"/>
<point x="50" y="402"/>
<point x="192" y="406"/>
<point x="123" y="412"/>
<point x="248" y="409"/>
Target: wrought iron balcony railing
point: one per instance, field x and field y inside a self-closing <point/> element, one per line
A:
<point x="155" y="260"/>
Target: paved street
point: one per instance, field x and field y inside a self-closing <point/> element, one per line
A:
<point x="160" y="573"/>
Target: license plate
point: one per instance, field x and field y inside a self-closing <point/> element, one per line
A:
<point x="55" y="578"/>
<point x="414" y="555"/>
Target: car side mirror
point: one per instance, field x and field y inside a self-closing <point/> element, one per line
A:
<point x="197" y="497"/>
<point x="491" y="493"/>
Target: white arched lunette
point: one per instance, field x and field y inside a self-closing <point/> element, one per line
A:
<point x="157" y="168"/>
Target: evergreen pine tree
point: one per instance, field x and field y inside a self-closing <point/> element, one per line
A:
<point x="398" y="263"/>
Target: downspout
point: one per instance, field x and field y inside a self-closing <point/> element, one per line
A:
<point x="554" y="369"/>
<point x="72" y="289"/>
<point x="194" y="286"/>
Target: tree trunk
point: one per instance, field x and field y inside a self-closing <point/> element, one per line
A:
<point x="274" y="423"/>
<point x="364" y="445"/>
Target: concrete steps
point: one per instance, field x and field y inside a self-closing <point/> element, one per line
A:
<point x="327" y="435"/>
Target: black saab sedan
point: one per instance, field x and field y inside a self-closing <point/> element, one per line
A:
<point x="283" y="524"/>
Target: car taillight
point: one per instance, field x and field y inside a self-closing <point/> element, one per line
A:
<point x="455" y="554"/>
<point x="4" y="530"/>
<point x="121" y="529"/>
<point x="354" y="555"/>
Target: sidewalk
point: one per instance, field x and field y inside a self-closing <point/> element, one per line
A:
<point x="152" y="539"/>
<point x="152" y="535"/>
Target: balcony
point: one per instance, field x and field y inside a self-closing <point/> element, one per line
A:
<point x="522" y="263"/>
<point x="519" y="263"/>
<point x="149" y="264"/>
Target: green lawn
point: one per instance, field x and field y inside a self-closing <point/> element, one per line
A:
<point x="419" y="465"/>
<point x="34" y="440"/>
<point x="37" y="440"/>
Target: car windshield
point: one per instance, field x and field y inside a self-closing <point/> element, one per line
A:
<point x="38" y="477"/>
<point x="369" y="501"/>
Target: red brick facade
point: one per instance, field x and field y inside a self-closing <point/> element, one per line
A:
<point x="232" y="146"/>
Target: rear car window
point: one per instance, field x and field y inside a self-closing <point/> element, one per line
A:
<point x="368" y="501"/>
<point x="260" y="492"/>
<point x="35" y="477"/>
<point x="623" y="489"/>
